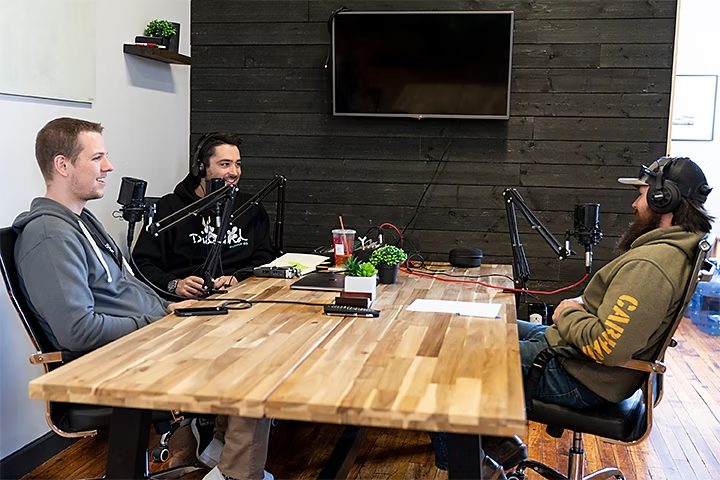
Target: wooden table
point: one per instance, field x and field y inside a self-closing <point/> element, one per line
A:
<point x="425" y="371"/>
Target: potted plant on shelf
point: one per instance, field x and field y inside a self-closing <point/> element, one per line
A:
<point x="387" y="259"/>
<point x="162" y="32"/>
<point x="360" y="277"/>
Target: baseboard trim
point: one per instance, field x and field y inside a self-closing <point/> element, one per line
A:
<point x="28" y="458"/>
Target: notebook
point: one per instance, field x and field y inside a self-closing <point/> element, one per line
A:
<point x="333" y="282"/>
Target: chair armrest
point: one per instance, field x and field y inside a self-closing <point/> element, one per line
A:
<point x="40" y="358"/>
<point x="645" y="366"/>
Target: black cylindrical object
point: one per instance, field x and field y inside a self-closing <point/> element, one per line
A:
<point x="466" y="257"/>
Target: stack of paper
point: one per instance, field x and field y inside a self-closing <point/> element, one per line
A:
<point x="303" y="262"/>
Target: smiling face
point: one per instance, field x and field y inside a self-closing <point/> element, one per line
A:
<point x="225" y="163"/>
<point x="86" y="174"/>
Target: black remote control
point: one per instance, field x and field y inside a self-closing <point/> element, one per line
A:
<point x="349" y="311"/>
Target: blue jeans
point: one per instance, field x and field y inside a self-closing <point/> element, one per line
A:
<point x="555" y="386"/>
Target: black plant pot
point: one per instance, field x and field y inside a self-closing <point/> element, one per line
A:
<point x="387" y="273"/>
<point x="172" y="43"/>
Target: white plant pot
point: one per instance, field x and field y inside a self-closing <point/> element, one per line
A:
<point x="361" y="285"/>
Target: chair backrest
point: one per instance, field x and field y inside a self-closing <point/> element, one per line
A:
<point x="702" y="268"/>
<point x="8" y="237"/>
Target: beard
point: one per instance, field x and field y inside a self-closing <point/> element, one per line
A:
<point x="642" y="224"/>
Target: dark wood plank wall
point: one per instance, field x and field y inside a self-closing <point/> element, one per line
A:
<point x="589" y="102"/>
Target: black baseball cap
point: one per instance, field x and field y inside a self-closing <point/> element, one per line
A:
<point x="689" y="178"/>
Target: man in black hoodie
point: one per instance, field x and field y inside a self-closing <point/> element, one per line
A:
<point x="173" y="260"/>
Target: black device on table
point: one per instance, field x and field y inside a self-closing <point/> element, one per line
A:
<point x="192" y="311"/>
<point x="348" y="311"/>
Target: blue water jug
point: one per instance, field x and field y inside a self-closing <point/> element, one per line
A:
<point x="704" y="307"/>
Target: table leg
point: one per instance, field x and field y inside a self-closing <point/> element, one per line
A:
<point x="344" y="454"/>
<point x="465" y="456"/>
<point x="127" y="446"/>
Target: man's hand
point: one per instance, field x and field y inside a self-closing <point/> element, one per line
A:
<point x="562" y="306"/>
<point x="225" y="281"/>
<point x="183" y="304"/>
<point x="190" y="287"/>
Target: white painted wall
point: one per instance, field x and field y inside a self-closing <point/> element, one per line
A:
<point x="698" y="53"/>
<point x="145" y="108"/>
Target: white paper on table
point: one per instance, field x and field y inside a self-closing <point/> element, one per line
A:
<point x="303" y="262"/>
<point x="470" y="309"/>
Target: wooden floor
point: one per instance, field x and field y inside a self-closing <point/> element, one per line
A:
<point x="684" y="444"/>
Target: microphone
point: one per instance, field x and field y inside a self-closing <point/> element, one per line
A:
<point x="587" y="231"/>
<point x="213" y="185"/>
<point x="132" y="199"/>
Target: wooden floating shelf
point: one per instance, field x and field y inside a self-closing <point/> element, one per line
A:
<point x="155" y="53"/>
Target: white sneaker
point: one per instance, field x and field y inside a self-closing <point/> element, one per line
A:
<point x="202" y="430"/>
<point x="211" y="455"/>
<point x="216" y="474"/>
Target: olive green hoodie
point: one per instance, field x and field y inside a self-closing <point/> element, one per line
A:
<point x="628" y="307"/>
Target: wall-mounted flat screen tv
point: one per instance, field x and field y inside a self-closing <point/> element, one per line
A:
<point x="422" y="64"/>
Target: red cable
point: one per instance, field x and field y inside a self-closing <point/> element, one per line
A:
<point x="393" y="226"/>
<point x="508" y="289"/>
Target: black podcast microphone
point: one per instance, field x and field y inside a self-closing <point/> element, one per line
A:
<point x="587" y="231"/>
<point x="213" y="185"/>
<point x="132" y="199"/>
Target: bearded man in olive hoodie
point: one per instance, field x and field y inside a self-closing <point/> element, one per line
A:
<point x="628" y="306"/>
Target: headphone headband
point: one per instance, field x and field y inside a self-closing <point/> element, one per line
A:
<point x="197" y="165"/>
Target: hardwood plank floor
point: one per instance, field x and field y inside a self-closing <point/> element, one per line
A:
<point x="684" y="443"/>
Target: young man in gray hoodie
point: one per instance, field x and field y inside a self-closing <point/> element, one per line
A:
<point x="76" y="280"/>
<point x="73" y="273"/>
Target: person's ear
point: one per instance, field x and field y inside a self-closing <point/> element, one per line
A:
<point x="61" y="164"/>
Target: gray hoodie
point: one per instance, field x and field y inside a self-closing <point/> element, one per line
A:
<point x="76" y="280"/>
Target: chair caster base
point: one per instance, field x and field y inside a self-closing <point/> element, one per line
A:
<point x="160" y="454"/>
<point x="552" y="474"/>
<point x="541" y="469"/>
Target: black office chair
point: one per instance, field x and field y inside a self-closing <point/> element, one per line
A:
<point x="73" y="420"/>
<point x="626" y="423"/>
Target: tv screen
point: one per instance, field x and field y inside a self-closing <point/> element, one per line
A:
<point x="422" y="64"/>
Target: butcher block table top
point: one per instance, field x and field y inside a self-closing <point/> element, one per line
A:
<point x="412" y="370"/>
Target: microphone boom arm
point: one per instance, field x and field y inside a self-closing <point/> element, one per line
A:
<point x="521" y="269"/>
<point x="156" y="228"/>
<point x="279" y="183"/>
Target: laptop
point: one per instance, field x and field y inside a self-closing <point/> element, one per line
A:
<point x="332" y="282"/>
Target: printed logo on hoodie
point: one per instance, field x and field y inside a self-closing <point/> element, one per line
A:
<point x="607" y="341"/>
<point x="234" y="237"/>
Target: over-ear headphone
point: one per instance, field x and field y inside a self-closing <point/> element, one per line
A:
<point x="664" y="196"/>
<point x="197" y="165"/>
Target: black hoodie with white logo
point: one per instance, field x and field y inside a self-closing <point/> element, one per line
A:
<point x="180" y="252"/>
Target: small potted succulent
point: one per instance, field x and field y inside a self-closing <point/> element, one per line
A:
<point x="162" y="32"/>
<point x="387" y="259"/>
<point x="360" y="277"/>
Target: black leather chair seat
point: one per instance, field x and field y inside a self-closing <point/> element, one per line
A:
<point x="75" y="417"/>
<point x="624" y="421"/>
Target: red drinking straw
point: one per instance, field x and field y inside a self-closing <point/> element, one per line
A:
<point x="343" y="234"/>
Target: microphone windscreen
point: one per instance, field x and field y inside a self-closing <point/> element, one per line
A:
<point x="587" y="217"/>
<point x="132" y="191"/>
<point x="213" y="185"/>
